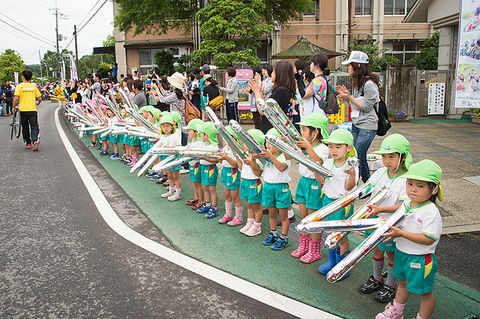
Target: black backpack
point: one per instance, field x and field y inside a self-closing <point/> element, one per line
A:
<point x="330" y="105"/>
<point x="382" y="115"/>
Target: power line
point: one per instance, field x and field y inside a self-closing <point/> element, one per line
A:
<point x="93" y="7"/>
<point x="24" y="39"/>
<point x="26" y="28"/>
<point x="51" y="44"/>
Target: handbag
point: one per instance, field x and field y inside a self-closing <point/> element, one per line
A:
<point x="383" y="124"/>
<point x="191" y="112"/>
<point x="217" y="102"/>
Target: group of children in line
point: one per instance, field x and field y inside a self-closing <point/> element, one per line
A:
<point x="411" y="258"/>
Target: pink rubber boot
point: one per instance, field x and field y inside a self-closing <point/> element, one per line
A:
<point x="302" y="246"/>
<point x="314" y="252"/>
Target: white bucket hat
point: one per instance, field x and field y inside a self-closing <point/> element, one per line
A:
<point x="177" y="80"/>
<point x="357" y="57"/>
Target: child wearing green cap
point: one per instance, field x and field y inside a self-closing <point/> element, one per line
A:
<point x="113" y="138"/>
<point x="416" y="239"/>
<point x="309" y="192"/>
<point x="276" y="195"/>
<point x="209" y="169"/>
<point x="170" y="139"/>
<point x="396" y="158"/>
<point x="340" y="147"/>
<point x="251" y="187"/>
<point x="105" y="140"/>
<point x="194" y="166"/>
<point x="231" y="183"/>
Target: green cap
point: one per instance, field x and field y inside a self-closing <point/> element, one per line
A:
<point x="340" y="136"/>
<point x="176" y="117"/>
<point x="231" y="131"/>
<point x="193" y="124"/>
<point x="427" y="171"/>
<point x="318" y="121"/>
<point x="144" y="109"/>
<point x="257" y="135"/>
<point x="396" y="143"/>
<point x="209" y="129"/>
<point x="165" y="113"/>
<point x="156" y="112"/>
<point x="167" y="119"/>
<point x="273" y="131"/>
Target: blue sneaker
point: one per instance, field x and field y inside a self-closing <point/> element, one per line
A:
<point x="280" y="243"/>
<point x="151" y="174"/>
<point x="204" y="209"/>
<point x="114" y="157"/>
<point x="212" y="213"/>
<point x="271" y="238"/>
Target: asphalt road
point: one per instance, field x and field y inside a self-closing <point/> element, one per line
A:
<point x="58" y="258"/>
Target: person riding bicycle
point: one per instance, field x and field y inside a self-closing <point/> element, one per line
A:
<point x="28" y="97"/>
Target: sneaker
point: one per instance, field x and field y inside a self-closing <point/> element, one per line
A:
<point x="246" y="227"/>
<point x="28" y="146"/>
<point x="184" y="171"/>
<point x="253" y="231"/>
<point x="371" y="285"/>
<point x="390" y="313"/>
<point x="212" y="213"/>
<point x="225" y="219"/>
<point x="168" y="194"/>
<point x="114" y="157"/>
<point x="174" y="197"/>
<point x="35" y="147"/>
<point x="99" y="146"/>
<point x="271" y="238"/>
<point x="197" y="205"/>
<point x="280" y="244"/>
<point x="235" y="222"/>
<point x="385" y="294"/>
<point x="92" y="145"/>
<point x="204" y="209"/>
<point x="191" y="201"/>
<point x="103" y="153"/>
<point x="162" y="180"/>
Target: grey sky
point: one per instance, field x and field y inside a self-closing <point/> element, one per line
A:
<point x="36" y="16"/>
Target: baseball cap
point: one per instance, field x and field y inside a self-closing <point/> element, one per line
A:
<point x="356" y="57"/>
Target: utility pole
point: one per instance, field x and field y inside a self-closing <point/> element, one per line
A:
<point x="76" y="46"/>
<point x="58" y="15"/>
<point x="40" y="59"/>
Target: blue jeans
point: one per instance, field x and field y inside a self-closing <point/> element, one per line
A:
<point x="361" y="141"/>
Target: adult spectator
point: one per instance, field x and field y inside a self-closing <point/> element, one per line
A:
<point x="8" y="92"/>
<point x="110" y="77"/>
<point x="211" y="90"/>
<point x="316" y="90"/>
<point x="283" y="90"/>
<point x="194" y="91"/>
<point x="115" y="72"/>
<point x="96" y="87"/>
<point x="232" y="90"/>
<point x="364" y="100"/>
<point x="204" y="71"/>
<point x="139" y="99"/>
<point x="257" y="118"/>
<point x="135" y="75"/>
<point x="300" y="65"/>
<point x="267" y="83"/>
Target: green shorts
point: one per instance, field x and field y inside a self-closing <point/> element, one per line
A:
<point x="131" y="140"/>
<point x="383" y="246"/>
<point x="196" y="173"/>
<point x="209" y="174"/>
<point x="276" y="195"/>
<point x="114" y="138"/>
<point x="100" y="138"/>
<point x="230" y="178"/>
<point x="309" y="192"/>
<point x="418" y="270"/>
<point x="251" y="190"/>
<point x="341" y="214"/>
<point x="144" y="145"/>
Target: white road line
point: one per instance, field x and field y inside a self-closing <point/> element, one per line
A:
<point x="242" y="286"/>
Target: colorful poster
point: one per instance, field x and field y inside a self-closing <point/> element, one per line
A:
<point x="467" y="77"/>
<point x="73" y="69"/>
<point x="242" y="76"/>
<point x="15" y="75"/>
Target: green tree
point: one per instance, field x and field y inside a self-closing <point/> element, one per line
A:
<point x="231" y="32"/>
<point x="50" y="61"/>
<point x="159" y="16"/>
<point x="10" y="62"/>
<point x="378" y="62"/>
<point x="90" y="63"/>
<point x="184" y="63"/>
<point x="427" y="59"/>
<point x="164" y="60"/>
<point x="109" y="41"/>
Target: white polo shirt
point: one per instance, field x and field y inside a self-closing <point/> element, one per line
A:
<point x="322" y="151"/>
<point x="195" y="144"/>
<point x="228" y="151"/>
<point x="170" y="140"/>
<point x="397" y="188"/>
<point x="424" y="219"/>
<point x="273" y="176"/>
<point x="247" y="172"/>
<point x="334" y="187"/>
<point x="209" y="147"/>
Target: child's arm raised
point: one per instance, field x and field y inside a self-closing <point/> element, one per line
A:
<point x="279" y="165"/>
<point x="351" y="179"/>
<point x="251" y="161"/>
<point x="231" y="161"/>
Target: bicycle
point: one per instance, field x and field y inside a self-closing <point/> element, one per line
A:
<point x="16" y="127"/>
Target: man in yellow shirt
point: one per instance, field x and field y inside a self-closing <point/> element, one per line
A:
<point x="28" y="97"/>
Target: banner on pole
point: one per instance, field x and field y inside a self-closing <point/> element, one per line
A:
<point x="467" y="77"/>
<point x="73" y="69"/>
<point x="15" y="75"/>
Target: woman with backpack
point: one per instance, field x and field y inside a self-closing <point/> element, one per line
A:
<point x="316" y="90"/>
<point x="364" y="101"/>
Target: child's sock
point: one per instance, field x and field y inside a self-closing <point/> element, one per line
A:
<point x="290" y="213"/>
<point x="390" y="281"/>
<point x="256" y="224"/>
<point x="239" y="212"/>
<point x="251" y="221"/>
<point x="398" y="306"/>
<point x="284" y="236"/>
<point x="418" y="316"/>
<point x="228" y="209"/>
<point x="377" y="269"/>
<point x="215" y="207"/>
<point x="208" y="204"/>
<point x="274" y="233"/>
<point x="179" y="191"/>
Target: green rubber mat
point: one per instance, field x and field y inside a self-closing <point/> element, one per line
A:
<point x="460" y="120"/>
<point x="226" y="248"/>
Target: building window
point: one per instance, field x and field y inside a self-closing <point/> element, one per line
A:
<point x="363" y="7"/>
<point x="403" y="50"/>
<point x="262" y="52"/>
<point x="397" y="7"/>
<point x="313" y="12"/>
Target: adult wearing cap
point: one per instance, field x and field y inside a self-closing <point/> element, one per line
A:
<point x="175" y="99"/>
<point x="363" y="101"/>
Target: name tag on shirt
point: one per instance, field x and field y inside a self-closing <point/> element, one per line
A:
<point x="314" y="186"/>
<point x="415" y="265"/>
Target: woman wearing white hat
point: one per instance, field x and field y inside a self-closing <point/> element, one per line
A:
<point x="363" y="101"/>
<point x="175" y="99"/>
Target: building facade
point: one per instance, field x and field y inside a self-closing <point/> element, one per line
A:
<point x="331" y="24"/>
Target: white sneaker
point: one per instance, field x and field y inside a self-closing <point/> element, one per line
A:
<point x="168" y="194"/>
<point x="253" y="231"/>
<point x="246" y="227"/>
<point x="184" y="171"/>
<point x="174" y="197"/>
